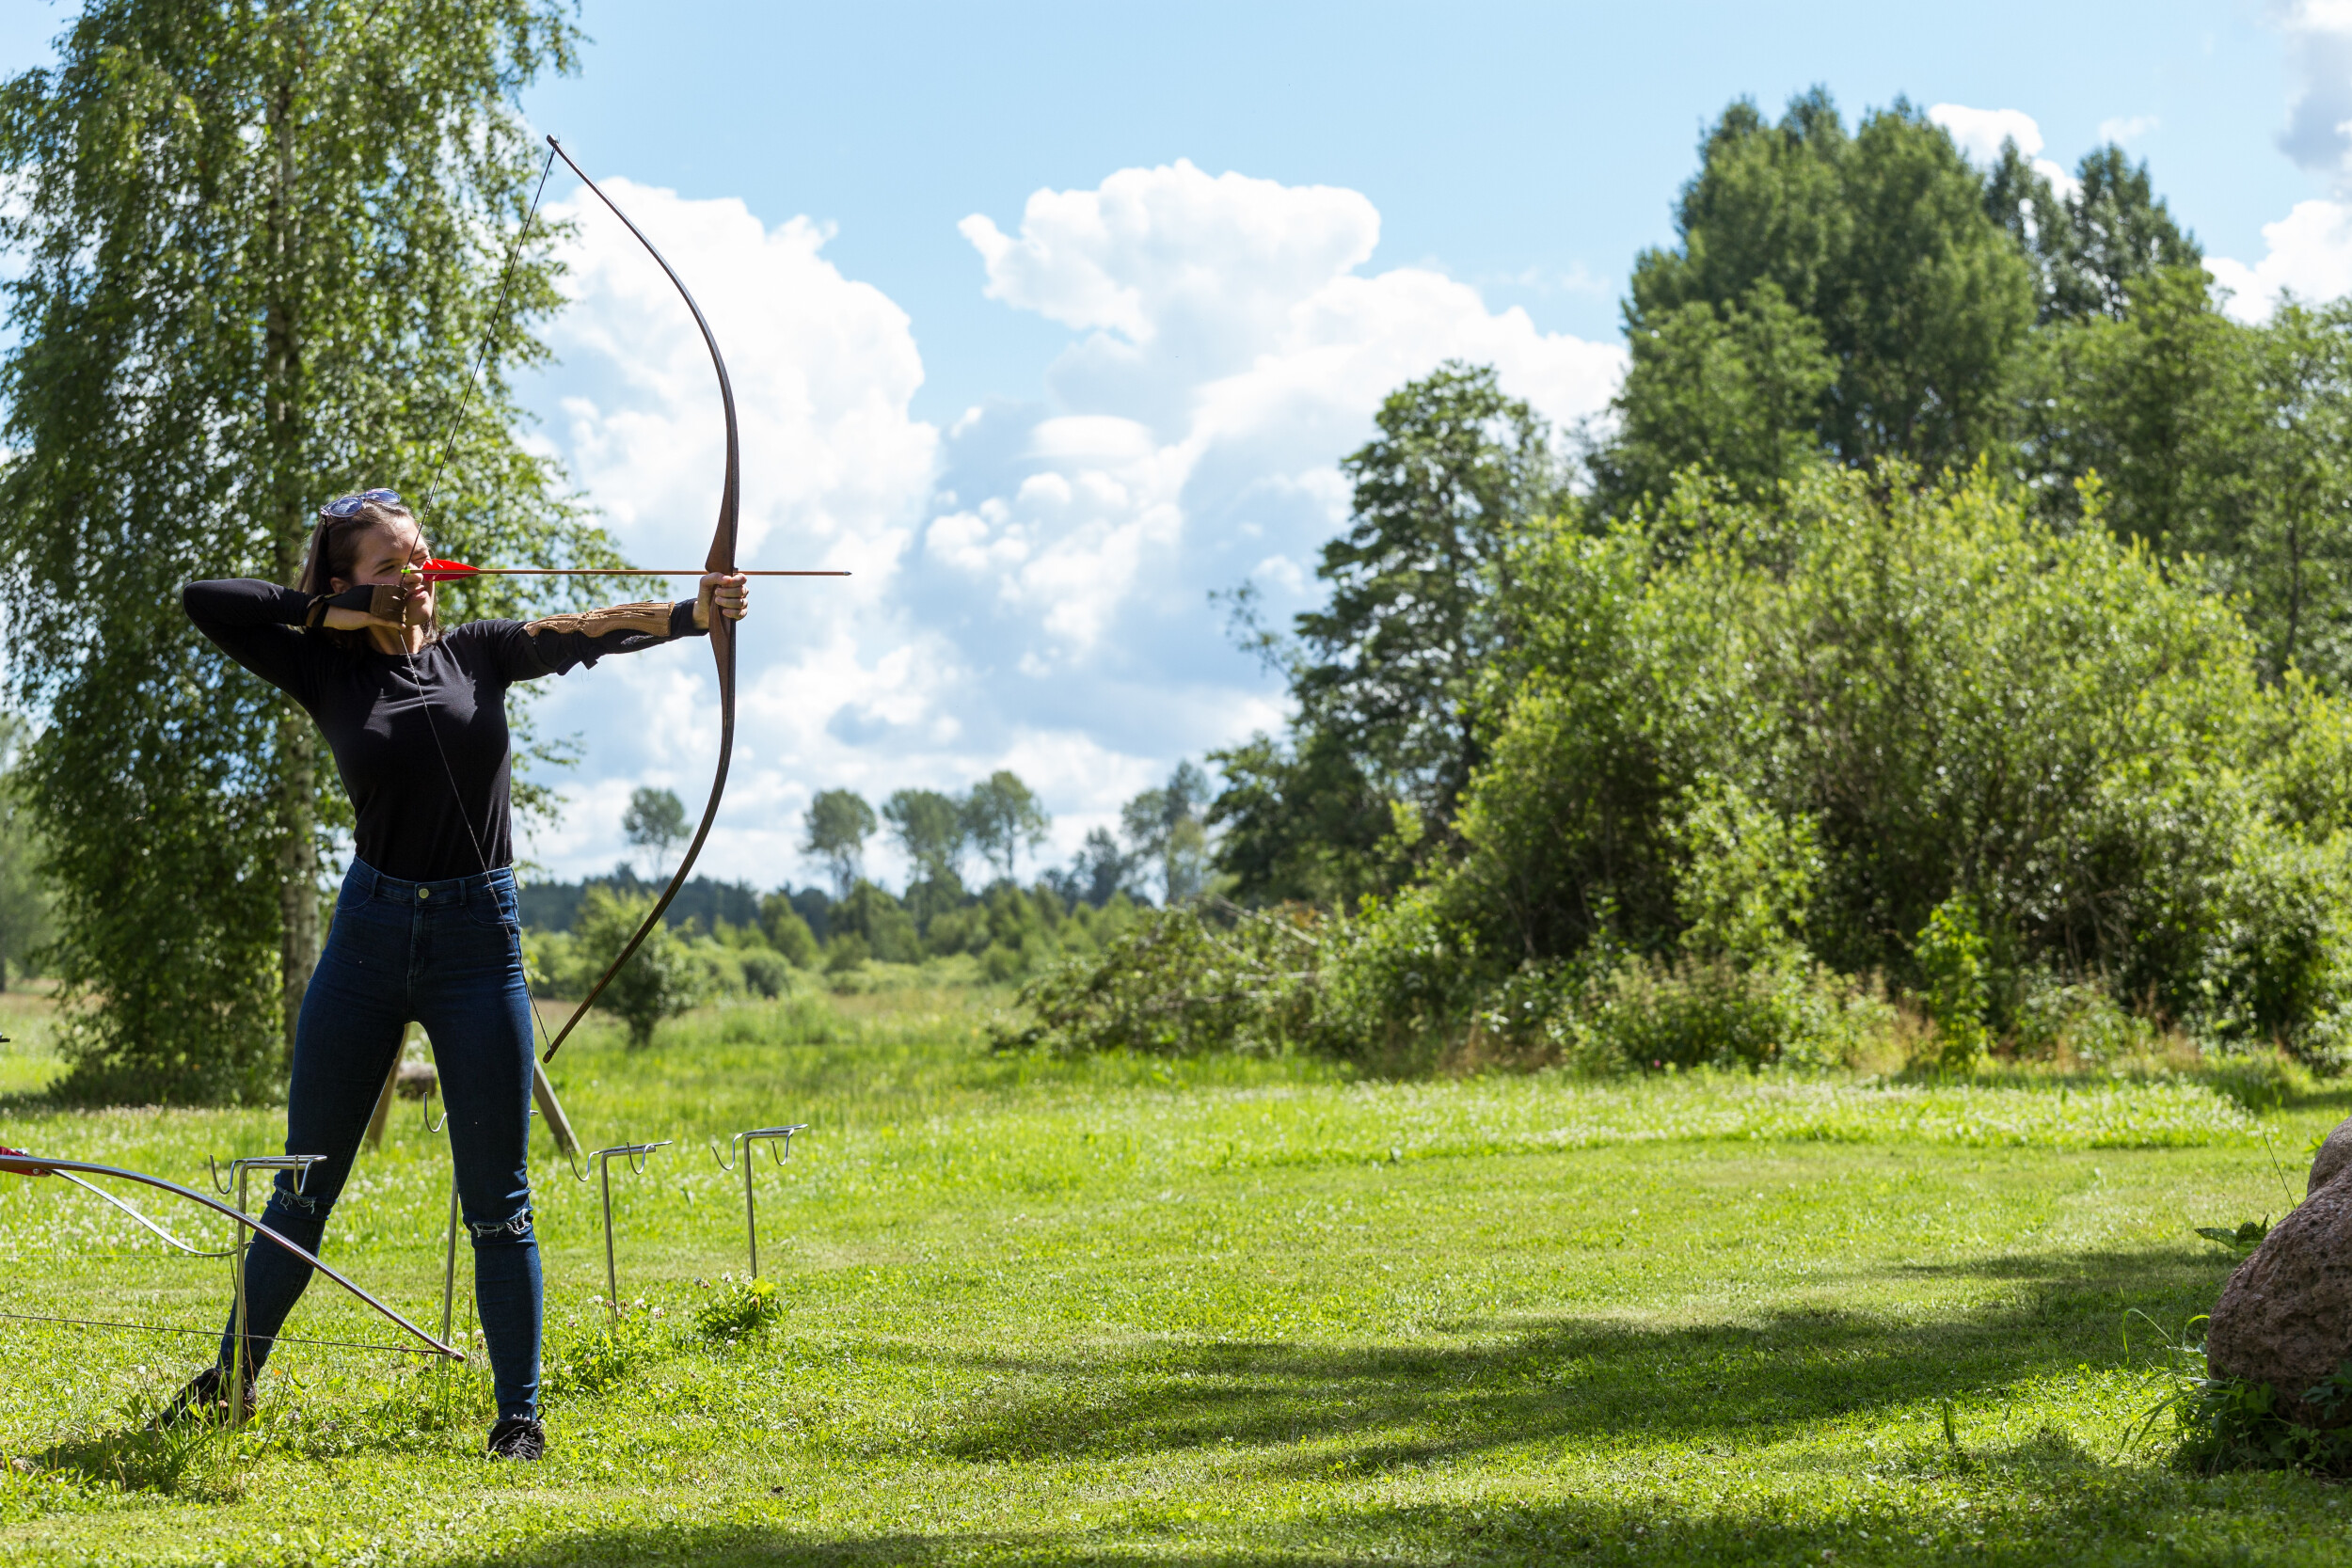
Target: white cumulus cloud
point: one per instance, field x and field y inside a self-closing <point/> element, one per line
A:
<point x="2318" y="132"/>
<point x="1033" y="584"/>
<point x="2310" y="255"/>
<point x="1233" y="349"/>
<point x="834" y="475"/>
<point x="2309" y="252"/>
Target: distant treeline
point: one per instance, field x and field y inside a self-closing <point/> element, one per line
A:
<point x="703" y="903"/>
<point x="723" y="939"/>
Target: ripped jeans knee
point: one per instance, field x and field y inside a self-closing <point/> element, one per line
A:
<point x="288" y="1209"/>
<point x="516" y="1228"/>
<point x="297" y="1203"/>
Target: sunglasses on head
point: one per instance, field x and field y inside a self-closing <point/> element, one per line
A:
<point x="348" y="506"/>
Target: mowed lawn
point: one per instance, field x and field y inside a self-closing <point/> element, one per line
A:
<point x="1220" y="1312"/>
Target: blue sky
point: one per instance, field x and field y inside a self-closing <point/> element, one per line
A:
<point x="1049" y="320"/>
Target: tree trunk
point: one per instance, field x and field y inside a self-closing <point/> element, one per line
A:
<point x="298" y="756"/>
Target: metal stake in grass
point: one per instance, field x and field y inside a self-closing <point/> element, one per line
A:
<point x="240" y="1172"/>
<point x="744" y="1141"/>
<point x="602" y="1160"/>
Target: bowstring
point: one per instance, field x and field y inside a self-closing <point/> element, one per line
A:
<point x="497" y="316"/>
<point x="433" y="488"/>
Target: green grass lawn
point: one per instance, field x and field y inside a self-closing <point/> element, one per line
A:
<point x="1201" y="1312"/>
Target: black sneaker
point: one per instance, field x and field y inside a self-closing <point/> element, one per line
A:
<point x="201" y="1397"/>
<point x="517" y="1437"/>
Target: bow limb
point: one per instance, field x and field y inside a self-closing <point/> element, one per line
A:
<point x="720" y="558"/>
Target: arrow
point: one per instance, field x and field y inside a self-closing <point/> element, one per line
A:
<point x="444" y="571"/>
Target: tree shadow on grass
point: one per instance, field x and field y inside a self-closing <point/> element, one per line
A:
<point x="1582" y="1381"/>
<point x="2041" y="1501"/>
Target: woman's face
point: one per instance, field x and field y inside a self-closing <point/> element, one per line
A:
<point x="384" y="551"/>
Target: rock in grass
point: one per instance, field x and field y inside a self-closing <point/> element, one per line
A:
<point x="2285" y="1317"/>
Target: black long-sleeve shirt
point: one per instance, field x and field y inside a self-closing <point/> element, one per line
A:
<point x="383" y="713"/>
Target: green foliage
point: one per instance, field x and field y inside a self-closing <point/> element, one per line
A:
<point x="1000" y="815"/>
<point x="26" y="923"/>
<point x="738" y="1307"/>
<point x="877" y="923"/>
<point x="1746" y="879"/>
<point x="1737" y="389"/>
<point x="1164" y="825"/>
<point x="654" y="820"/>
<point x="766" y="973"/>
<point x="1384" y="674"/>
<point x="1745" y="740"/>
<point x="2232" y="443"/>
<point x="1881" y="238"/>
<point x="250" y="267"/>
<point x="2227" y="1423"/>
<point x="1301" y="823"/>
<point x="1649" y="1013"/>
<point x="787" y="932"/>
<point x="2241" y="1240"/>
<point x="838" y="824"/>
<point x="2072" y="1023"/>
<point x="1951" y="695"/>
<point x="1390" y="663"/>
<point x="1183" y="981"/>
<point x="930" y="828"/>
<point x="1949" y="955"/>
<point x="2090" y="248"/>
<point x="661" y="978"/>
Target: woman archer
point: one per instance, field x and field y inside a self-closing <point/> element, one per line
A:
<point x="425" y="928"/>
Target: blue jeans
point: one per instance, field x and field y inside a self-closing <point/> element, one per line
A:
<point x="448" y="956"/>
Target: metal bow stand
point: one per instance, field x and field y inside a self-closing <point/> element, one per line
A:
<point x="602" y="1159"/>
<point x="241" y="1172"/>
<point x="739" y="1149"/>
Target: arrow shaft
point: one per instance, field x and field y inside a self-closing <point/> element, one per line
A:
<point x="603" y="572"/>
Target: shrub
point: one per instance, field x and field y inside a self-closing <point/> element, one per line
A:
<point x="1403" y="975"/>
<point x="765" y="973"/>
<point x="1939" y="693"/>
<point x="661" y="978"/>
<point x="1199" y="978"/>
<point x="2075" y="1023"/>
<point x="1649" y="1013"/>
<point x="2279" y="967"/>
<point x="1949" y="953"/>
<point x="787" y="932"/>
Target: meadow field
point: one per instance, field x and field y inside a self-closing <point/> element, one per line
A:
<point x="1121" y="1311"/>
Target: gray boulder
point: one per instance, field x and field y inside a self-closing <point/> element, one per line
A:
<point x="2285" y="1317"/>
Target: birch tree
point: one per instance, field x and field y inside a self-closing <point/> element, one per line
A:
<point x="258" y="244"/>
